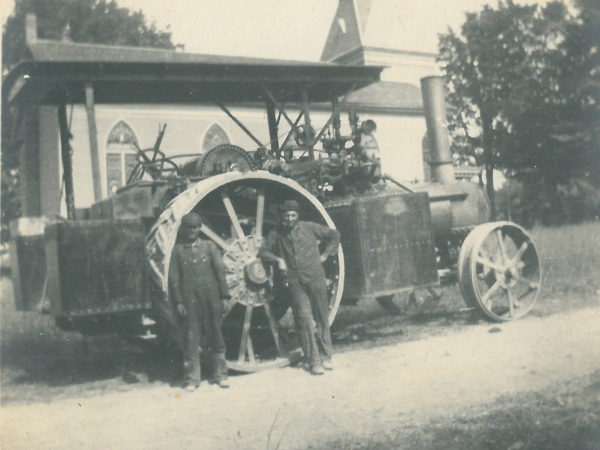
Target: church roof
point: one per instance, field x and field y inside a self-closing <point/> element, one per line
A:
<point x="400" y="26"/>
<point x="387" y="96"/>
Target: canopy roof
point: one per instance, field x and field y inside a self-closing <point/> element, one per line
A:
<point x="143" y="75"/>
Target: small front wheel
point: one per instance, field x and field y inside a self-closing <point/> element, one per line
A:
<point x="499" y="271"/>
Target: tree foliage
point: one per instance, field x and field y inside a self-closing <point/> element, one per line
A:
<point x="95" y="21"/>
<point x="523" y="86"/>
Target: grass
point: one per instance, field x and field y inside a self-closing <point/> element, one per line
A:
<point x="570" y="256"/>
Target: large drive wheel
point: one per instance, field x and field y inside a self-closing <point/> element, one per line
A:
<point x="239" y="210"/>
<point x="499" y="271"/>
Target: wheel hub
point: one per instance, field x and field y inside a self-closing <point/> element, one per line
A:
<point x="246" y="275"/>
<point x="508" y="277"/>
<point x="256" y="273"/>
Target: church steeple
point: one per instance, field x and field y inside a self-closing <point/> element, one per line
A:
<point x="384" y="33"/>
<point x="344" y="40"/>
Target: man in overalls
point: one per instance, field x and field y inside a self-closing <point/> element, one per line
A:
<point x="294" y="247"/>
<point x="197" y="288"/>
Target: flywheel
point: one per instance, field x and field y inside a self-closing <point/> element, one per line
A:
<point x="239" y="210"/>
<point x="225" y="158"/>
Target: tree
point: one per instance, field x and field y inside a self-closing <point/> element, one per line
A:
<point x="505" y="81"/>
<point x="95" y="21"/>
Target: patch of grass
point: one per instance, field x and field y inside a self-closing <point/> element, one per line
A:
<point x="569" y="256"/>
<point x="565" y="416"/>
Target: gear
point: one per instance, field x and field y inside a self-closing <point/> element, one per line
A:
<point x="225" y="158"/>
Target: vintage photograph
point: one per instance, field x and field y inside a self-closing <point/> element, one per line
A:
<point x="316" y="224"/>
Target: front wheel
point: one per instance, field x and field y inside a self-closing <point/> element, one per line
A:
<point x="499" y="271"/>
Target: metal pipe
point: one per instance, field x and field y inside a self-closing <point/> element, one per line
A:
<point x="240" y="124"/>
<point x="432" y="90"/>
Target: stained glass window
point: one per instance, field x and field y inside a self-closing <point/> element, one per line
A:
<point x="121" y="156"/>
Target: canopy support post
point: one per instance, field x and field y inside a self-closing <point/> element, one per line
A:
<point x="273" y="129"/>
<point x="335" y="113"/>
<point x="65" y="151"/>
<point x="93" y="135"/>
<point x="310" y="135"/>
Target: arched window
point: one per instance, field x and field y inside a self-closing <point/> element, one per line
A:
<point x="121" y="156"/>
<point x="213" y="137"/>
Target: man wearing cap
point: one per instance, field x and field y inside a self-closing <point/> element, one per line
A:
<point x="197" y="288"/>
<point x="294" y="247"/>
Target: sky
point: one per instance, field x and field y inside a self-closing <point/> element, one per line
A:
<point x="284" y="29"/>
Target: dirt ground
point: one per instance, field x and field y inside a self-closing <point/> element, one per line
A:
<point x="370" y="391"/>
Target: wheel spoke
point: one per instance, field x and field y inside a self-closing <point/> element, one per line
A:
<point x="237" y="228"/>
<point x="250" y="349"/>
<point x="215" y="237"/>
<point x="501" y="245"/>
<point x="260" y="211"/>
<point x="520" y="252"/>
<point x="489" y="293"/>
<point x="511" y="303"/>
<point x="245" y="334"/>
<point x="489" y="263"/>
<point x="273" y="326"/>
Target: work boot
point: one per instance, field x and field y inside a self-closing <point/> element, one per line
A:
<point x="220" y="371"/>
<point x="316" y="370"/>
<point x="191" y="387"/>
<point x="222" y="383"/>
<point x="327" y="364"/>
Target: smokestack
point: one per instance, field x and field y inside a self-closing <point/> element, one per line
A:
<point x="432" y="90"/>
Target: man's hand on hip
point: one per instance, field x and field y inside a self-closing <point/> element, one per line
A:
<point x="282" y="265"/>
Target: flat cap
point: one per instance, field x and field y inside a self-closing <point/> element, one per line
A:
<point x="290" y="205"/>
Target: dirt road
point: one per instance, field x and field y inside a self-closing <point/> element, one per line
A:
<point x="368" y="392"/>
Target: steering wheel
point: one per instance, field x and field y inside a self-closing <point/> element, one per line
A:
<point x="154" y="167"/>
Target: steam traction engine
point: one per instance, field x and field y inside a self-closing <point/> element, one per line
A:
<point x="108" y="271"/>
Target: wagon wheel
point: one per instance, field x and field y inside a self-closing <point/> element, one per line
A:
<point x="499" y="271"/>
<point x="239" y="210"/>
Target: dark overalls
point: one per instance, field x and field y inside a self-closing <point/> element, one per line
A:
<point x="307" y="284"/>
<point x="197" y="280"/>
